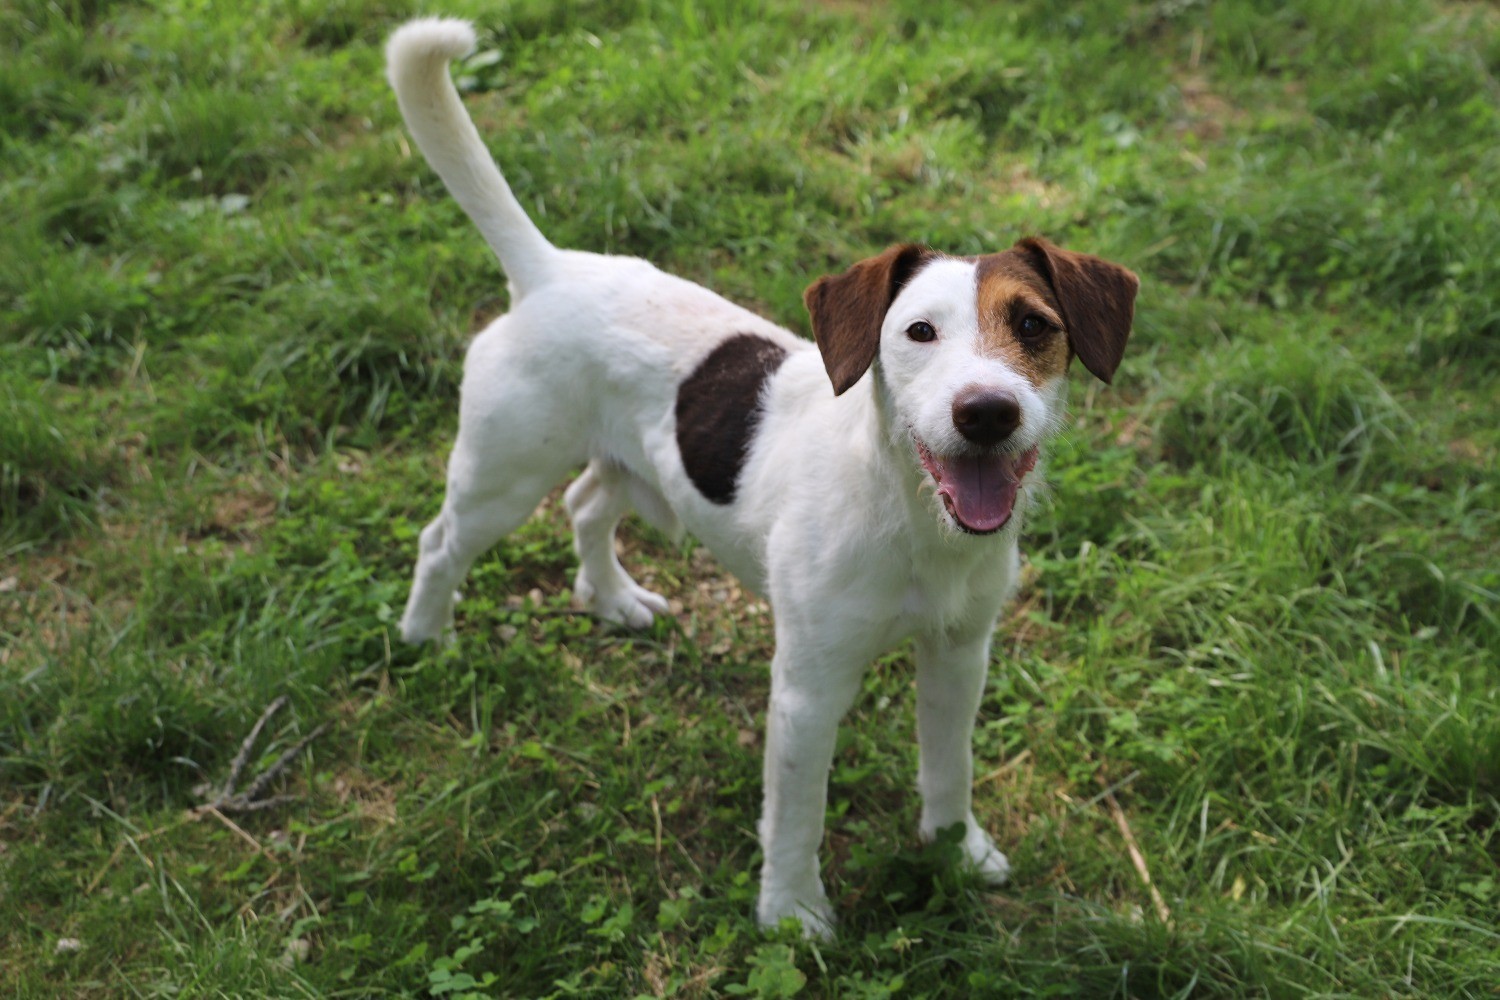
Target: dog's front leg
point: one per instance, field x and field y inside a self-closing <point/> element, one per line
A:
<point x="812" y="686"/>
<point x="951" y="672"/>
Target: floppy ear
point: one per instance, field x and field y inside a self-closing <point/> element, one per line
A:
<point x="1097" y="300"/>
<point x="847" y="310"/>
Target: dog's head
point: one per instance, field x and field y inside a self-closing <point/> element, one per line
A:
<point x="973" y="352"/>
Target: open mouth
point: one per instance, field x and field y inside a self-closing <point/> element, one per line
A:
<point x="979" y="490"/>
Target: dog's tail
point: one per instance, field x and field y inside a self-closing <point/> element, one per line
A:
<point x="417" y="59"/>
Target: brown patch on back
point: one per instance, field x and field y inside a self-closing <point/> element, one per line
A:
<point x="718" y="411"/>
<point x="1009" y="290"/>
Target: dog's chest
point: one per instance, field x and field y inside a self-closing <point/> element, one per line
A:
<point x="934" y="597"/>
<point x="899" y="592"/>
<point x="940" y="592"/>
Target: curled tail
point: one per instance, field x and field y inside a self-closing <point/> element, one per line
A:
<point x="417" y="59"/>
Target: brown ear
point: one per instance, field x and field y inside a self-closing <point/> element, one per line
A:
<point x="1097" y="300"/>
<point x="847" y="310"/>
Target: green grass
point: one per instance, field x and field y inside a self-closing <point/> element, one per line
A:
<point x="1264" y="609"/>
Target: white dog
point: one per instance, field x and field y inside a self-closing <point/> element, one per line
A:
<point x="884" y="505"/>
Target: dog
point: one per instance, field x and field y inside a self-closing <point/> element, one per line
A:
<point x="871" y="484"/>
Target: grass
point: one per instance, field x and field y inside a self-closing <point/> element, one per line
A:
<point x="1261" y="628"/>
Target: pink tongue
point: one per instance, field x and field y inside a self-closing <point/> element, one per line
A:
<point x="983" y="488"/>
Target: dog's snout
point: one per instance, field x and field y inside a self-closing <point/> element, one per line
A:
<point x="986" y="416"/>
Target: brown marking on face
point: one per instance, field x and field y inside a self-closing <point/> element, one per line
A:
<point x="1010" y="290"/>
<point x="1096" y="299"/>
<point x="847" y="310"/>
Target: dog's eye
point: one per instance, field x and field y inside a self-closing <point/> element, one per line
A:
<point x="921" y="331"/>
<point x="1034" y="326"/>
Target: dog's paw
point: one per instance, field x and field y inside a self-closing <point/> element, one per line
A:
<point x="979" y="853"/>
<point x="635" y="608"/>
<point x="419" y="631"/>
<point x="812" y="911"/>
<point x="414" y="634"/>
<point x="993" y="868"/>
<point x="630" y="604"/>
<point x="427" y="620"/>
<point x="984" y="858"/>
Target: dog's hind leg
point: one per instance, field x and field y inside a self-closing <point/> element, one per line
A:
<point x="482" y="506"/>
<point x="596" y="502"/>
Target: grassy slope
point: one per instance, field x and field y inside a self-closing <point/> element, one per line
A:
<point x="232" y="307"/>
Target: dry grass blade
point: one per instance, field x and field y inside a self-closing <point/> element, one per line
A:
<point x="1137" y="858"/>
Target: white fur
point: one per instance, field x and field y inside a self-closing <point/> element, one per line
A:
<point x="834" y="520"/>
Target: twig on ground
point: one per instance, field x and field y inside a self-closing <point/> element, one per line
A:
<point x="249" y="800"/>
<point x="228" y="800"/>
<point x="240" y="759"/>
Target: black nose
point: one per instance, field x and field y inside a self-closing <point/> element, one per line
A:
<point x="986" y="416"/>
